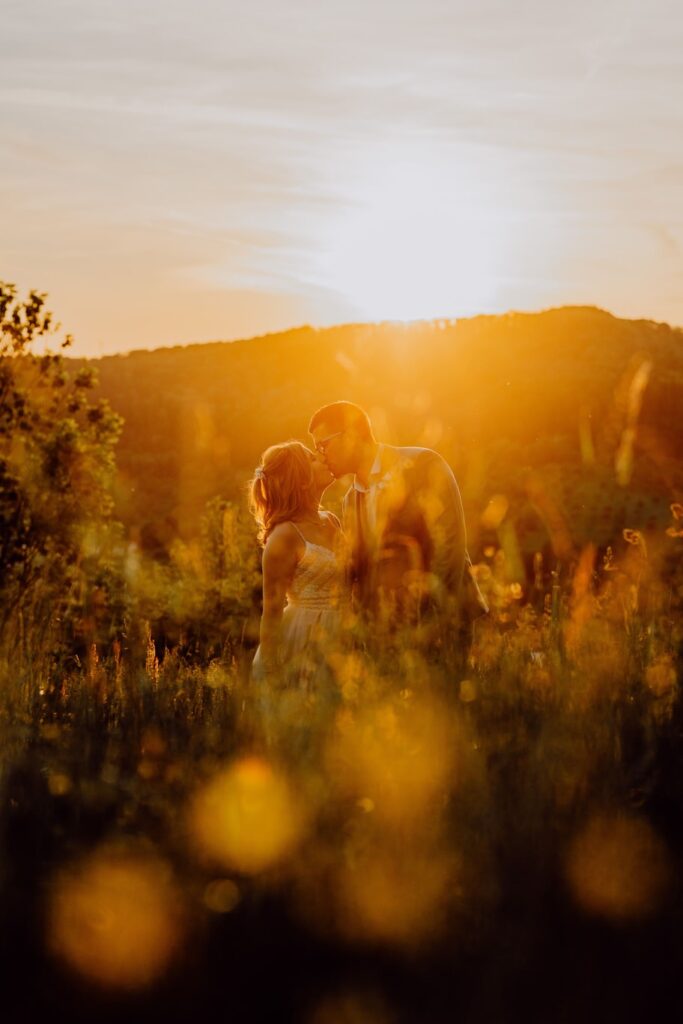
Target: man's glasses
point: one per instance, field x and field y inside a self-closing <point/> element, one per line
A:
<point x="321" y="446"/>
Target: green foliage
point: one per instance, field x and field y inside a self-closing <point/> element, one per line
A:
<point x="199" y="594"/>
<point x="56" y="464"/>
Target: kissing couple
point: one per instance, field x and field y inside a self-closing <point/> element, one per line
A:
<point x="398" y="558"/>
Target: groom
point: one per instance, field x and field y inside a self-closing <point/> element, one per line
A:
<point x="404" y="519"/>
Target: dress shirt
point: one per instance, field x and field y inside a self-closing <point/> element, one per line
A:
<point x="367" y="501"/>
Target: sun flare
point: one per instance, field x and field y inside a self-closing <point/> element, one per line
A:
<point x="420" y="237"/>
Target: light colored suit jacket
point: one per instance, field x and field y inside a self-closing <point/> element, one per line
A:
<point x="417" y="540"/>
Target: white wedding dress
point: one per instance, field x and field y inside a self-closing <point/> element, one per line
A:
<point x="310" y="622"/>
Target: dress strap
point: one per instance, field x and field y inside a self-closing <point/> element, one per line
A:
<point x="298" y="531"/>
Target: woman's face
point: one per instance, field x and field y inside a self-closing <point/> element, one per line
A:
<point x="322" y="477"/>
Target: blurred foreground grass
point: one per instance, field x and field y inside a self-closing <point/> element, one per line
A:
<point x="500" y="839"/>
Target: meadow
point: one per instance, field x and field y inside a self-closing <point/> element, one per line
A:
<point x="499" y="840"/>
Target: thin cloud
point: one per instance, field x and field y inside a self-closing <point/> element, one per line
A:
<point x="248" y="135"/>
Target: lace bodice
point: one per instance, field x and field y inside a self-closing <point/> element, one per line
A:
<point x="317" y="582"/>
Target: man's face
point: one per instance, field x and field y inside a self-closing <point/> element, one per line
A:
<point x="337" y="448"/>
<point x="322" y="475"/>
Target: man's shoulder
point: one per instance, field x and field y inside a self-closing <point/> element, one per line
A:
<point x="422" y="468"/>
<point x="413" y="455"/>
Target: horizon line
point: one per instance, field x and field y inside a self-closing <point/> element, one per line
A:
<point x="405" y="324"/>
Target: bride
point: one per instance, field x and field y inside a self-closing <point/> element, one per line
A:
<point x="302" y="568"/>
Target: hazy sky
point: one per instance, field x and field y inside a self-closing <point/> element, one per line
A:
<point x="175" y="171"/>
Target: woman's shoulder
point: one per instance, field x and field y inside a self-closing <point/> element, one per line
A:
<point x="285" y="540"/>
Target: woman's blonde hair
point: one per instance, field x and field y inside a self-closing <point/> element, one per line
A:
<point x="280" y="489"/>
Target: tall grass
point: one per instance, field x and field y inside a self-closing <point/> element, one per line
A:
<point x="426" y="816"/>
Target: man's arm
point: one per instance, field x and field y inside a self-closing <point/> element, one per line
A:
<point x="438" y="497"/>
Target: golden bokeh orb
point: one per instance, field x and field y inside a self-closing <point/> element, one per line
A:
<point x="618" y="868"/>
<point x="247" y="817"/>
<point x="114" y="918"/>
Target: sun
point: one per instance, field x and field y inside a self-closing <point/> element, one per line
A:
<point x="416" y="238"/>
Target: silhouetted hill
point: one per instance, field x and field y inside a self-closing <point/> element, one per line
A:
<point x="571" y="414"/>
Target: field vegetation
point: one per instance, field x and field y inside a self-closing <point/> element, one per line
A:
<point x="499" y="840"/>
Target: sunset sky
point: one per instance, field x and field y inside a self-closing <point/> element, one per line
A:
<point x="176" y="172"/>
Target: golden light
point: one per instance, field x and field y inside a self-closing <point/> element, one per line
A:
<point x="661" y="677"/>
<point x="468" y="691"/>
<point x="247" y="818"/>
<point x="401" y="760"/>
<point x="114" y="919"/>
<point x="221" y="896"/>
<point x="59" y="783"/>
<point x="617" y="867"/>
<point x="495" y="512"/>
<point x="395" y="895"/>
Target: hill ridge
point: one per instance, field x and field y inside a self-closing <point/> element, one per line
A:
<point x="399" y="325"/>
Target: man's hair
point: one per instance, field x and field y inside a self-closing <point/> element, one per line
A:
<point x="341" y="416"/>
